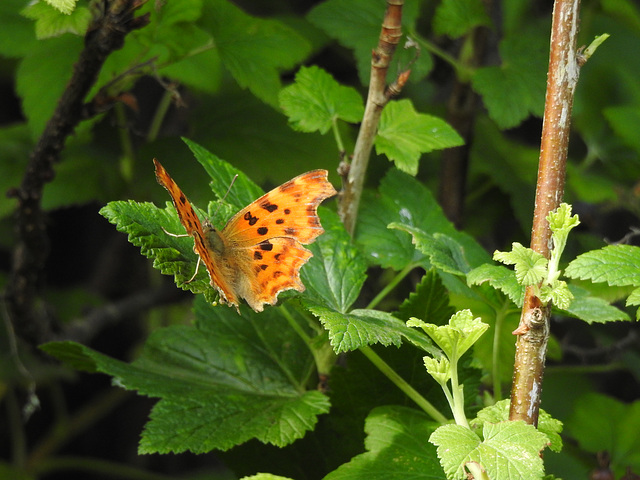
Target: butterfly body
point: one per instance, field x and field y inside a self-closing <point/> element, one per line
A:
<point x="259" y="252"/>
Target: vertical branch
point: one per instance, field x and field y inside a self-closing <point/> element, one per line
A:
<point x="533" y="331"/>
<point x="379" y="95"/>
<point x="105" y="34"/>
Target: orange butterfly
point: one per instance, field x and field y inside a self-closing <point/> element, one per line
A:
<point x="258" y="254"/>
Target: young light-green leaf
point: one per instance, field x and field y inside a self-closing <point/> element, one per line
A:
<point x="315" y="101"/>
<point x="530" y="266"/>
<point x="499" y="277"/>
<point x="52" y="21"/>
<point x="404" y="135"/>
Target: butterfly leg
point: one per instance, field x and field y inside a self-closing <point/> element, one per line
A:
<point x="194" y="273"/>
<point x="175" y="234"/>
<point x="199" y="259"/>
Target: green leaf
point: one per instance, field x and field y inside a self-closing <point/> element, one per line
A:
<point x="52" y="59"/>
<point x="509" y="450"/>
<point x="601" y="423"/>
<point x="444" y="253"/>
<point x="221" y="382"/>
<point x="439" y="369"/>
<point x="458" y="336"/>
<point x="335" y="274"/>
<point x="499" y="412"/>
<point x="17" y="37"/>
<point x="621" y="119"/>
<point x="254" y="50"/>
<point x="65" y="6"/>
<point x="404" y="134"/>
<point x="265" y="476"/>
<point x="614" y="264"/>
<point x="143" y="222"/>
<point x="429" y="301"/>
<point x="499" y="277"/>
<point x="315" y="101"/>
<point x="15" y="147"/>
<point x="458" y="17"/>
<point x="356" y="24"/>
<point x="530" y="266"/>
<point x="361" y="327"/>
<point x="515" y="89"/>
<point x="404" y="200"/>
<point x="52" y="21"/>
<point x="557" y="292"/>
<point x="397" y="448"/>
<point x="593" y="309"/>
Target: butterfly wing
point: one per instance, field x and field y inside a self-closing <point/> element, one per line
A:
<point x="193" y="227"/>
<point x="266" y="237"/>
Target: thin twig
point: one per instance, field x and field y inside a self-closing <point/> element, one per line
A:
<point x="379" y="96"/>
<point x="533" y="331"/>
<point x="106" y="33"/>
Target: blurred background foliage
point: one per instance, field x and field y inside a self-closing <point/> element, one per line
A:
<point x="211" y="70"/>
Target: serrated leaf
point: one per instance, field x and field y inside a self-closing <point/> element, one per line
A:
<point x="499" y="277"/>
<point x="593" y="309"/>
<point x="335" y="274"/>
<point x="429" y="301"/>
<point x="508" y="450"/>
<point x="65" y="6"/>
<point x="499" y="412"/>
<point x="457" y="17"/>
<point x="362" y="327"/>
<point x="444" y="253"/>
<point x="221" y="382"/>
<point x="255" y="50"/>
<point x="404" y="200"/>
<point x="515" y="89"/>
<point x="458" y="336"/>
<point x="404" y="135"/>
<point x="438" y="368"/>
<point x="265" y="476"/>
<point x="397" y="448"/>
<point x="52" y="21"/>
<point x="602" y="423"/>
<point x="614" y="264"/>
<point x="530" y="266"/>
<point x="315" y="101"/>
<point x="356" y="24"/>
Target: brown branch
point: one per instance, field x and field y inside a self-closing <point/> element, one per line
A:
<point x="106" y="33"/>
<point x="533" y="330"/>
<point x="379" y="95"/>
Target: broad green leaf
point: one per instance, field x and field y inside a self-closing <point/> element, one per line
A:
<point x="265" y="476"/>
<point x="50" y="59"/>
<point x="397" y="448"/>
<point x="337" y="271"/>
<point x="315" y="101"/>
<point x="593" y="309"/>
<point x="356" y="24"/>
<point x="65" y="6"/>
<point x="221" y="382"/>
<point x="52" y="21"/>
<point x="499" y="277"/>
<point x="15" y="146"/>
<point x="18" y="36"/>
<point x="602" y="423"/>
<point x="508" y="450"/>
<point x="444" y="253"/>
<point x="404" y="135"/>
<point x="254" y="50"/>
<point x="530" y="266"/>
<point x="516" y="89"/>
<point x="457" y="17"/>
<point x="622" y="119"/>
<point x="614" y="264"/>
<point x="361" y="327"/>
<point x="429" y="301"/>
<point x="404" y="200"/>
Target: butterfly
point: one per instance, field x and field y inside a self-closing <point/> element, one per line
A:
<point x="259" y="252"/>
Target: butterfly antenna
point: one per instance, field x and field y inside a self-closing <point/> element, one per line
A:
<point x="233" y="180"/>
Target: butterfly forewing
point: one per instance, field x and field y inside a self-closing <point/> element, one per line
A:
<point x="289" y="210"/>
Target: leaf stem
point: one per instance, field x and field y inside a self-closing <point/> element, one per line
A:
<point x="391" y="285"/>
<point x="159" y="116"/>
<point x="403" y="385"/>
<point x="337" y="136"/>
